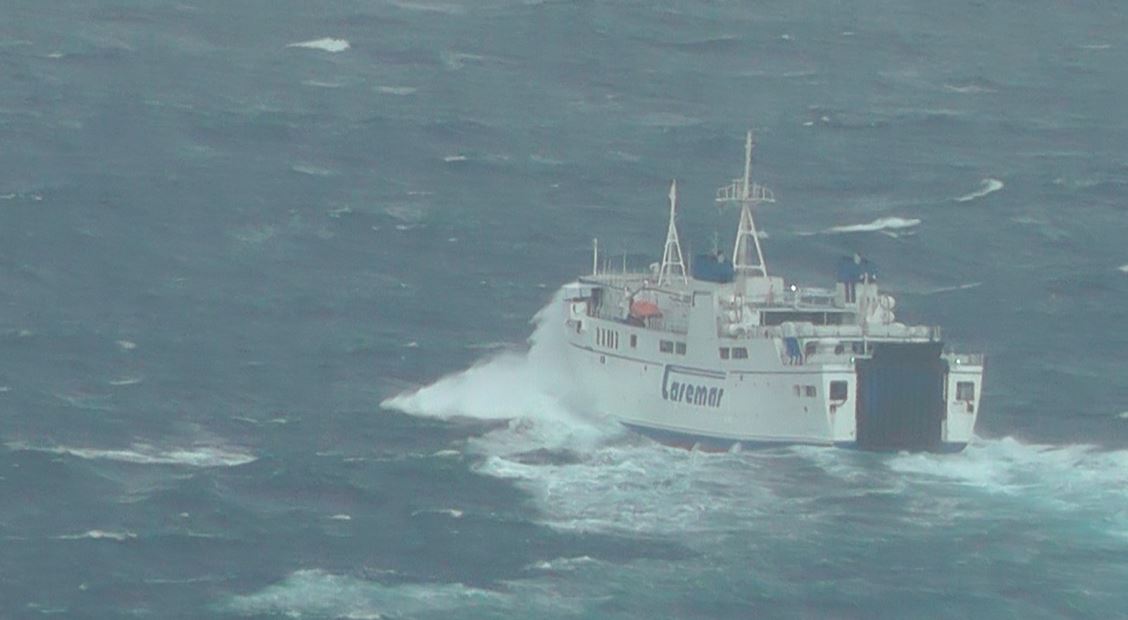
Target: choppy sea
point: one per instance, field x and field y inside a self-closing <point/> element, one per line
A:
<point x="270" y="271"/>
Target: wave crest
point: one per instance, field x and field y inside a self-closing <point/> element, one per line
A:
<point x="144" y="454"/>
<point x="987" y="186"/>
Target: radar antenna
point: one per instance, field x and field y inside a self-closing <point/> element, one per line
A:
<point x="672" y="263"/>
<point x="747" y="256"/>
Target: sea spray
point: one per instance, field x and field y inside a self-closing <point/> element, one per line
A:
<point x="536" y="390"/>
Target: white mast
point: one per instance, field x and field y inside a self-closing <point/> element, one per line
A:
<point x="747" y="256"/>
<point x="672" y="263"/>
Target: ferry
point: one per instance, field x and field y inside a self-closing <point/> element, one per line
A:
<point x="720" y="354"/>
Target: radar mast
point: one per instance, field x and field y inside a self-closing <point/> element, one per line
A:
<point x="747" y="256"/>
<point x="672" y="263"/>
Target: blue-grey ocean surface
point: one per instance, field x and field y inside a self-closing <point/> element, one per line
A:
<point x="230" y="231"/>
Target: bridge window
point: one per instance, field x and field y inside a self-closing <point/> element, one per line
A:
<point x="724" y="353"/>
<point x="739" y="353"/>
<point x="666" y="346"/>
<point x="965" y="391"/>
<point x="680" y="348"/>
<point x="809" y="391"/>
<point x="839" y="390"/>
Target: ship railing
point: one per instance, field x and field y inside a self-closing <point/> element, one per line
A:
<point x="806" y="331"/>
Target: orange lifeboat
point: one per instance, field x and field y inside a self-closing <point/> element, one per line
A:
<point x="642" y="309"/>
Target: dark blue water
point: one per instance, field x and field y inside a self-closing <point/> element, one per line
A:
<point x="221" y="252"/>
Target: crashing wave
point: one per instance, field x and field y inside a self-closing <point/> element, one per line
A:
<point x="880" y="224"/>
<point x="988" y="186"/>
<point x="327" y="44"/>
<point x="142" y="454"/>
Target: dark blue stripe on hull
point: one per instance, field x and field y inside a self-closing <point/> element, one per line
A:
<point x="691" y="441"/>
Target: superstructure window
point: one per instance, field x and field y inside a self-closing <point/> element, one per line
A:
<point x="606" y="338"/>
<point x="739" y="353"/>
<point x="809" y="391"/>
<point x="839" y="390"/>
<point x="724" y="353"/>
<point x="634" y="340"/>
<point x="965" y="391"/>
<point x="680" y="347"/>
<point x="666" y="346"/>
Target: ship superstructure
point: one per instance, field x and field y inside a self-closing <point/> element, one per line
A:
<point x="719" y="352"/>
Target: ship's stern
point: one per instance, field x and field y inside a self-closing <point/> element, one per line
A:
<point x="905" y="396"/>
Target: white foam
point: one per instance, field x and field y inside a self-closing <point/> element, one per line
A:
<point x="327" y="44"/>
<point x="126" y="381"/>
<point x="322" y="84"/>
<point x="950" y="289"/>
<point x="428" y="7"/>
<point x="880" y="224"/>
<point x="399" y="91"/>
<point x="536" y="390"/>
<point x="317" y="593"/>
<point x="126" y="345"/>
<point x="100" y="535"/>
<point x="1068" y="475"/>
<point x="454" y="158"/>
<point x="1123" y="268"/>
<point x="987" y="186"/>
<point x="316" y="171"/>
<point x="143" y="454"/>
<point x="341" y="517"/>
<point x="968" y="89"/>
<point x="453" y="513"/>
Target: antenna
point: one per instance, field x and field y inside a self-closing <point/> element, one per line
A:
<point x="747" y="256"/>
<point x="672" y="263"/>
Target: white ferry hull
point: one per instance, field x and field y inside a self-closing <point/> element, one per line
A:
<point x="757" y="401"/>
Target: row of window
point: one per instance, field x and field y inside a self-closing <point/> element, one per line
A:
<point x="669" y="346"/>
<point x="607" y="338"/>
<point x="809" y="391"/>
<point x="736" y="353"/>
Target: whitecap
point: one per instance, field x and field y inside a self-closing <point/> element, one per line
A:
<point x="143" y="454"/>
<point x="987" y="186"/>
<point x="126" y="345"/>
<point x="125" y="381"/>
<point x="341" y="517"/>
<point x="327" y="44"/>
<point x="562" y="564"/>
<point x="399" y="91"/>
<point x="968" y="89"/>
<point x="453" y="513"/>
<point x="316" y="171"/>
<point x="100" y="535"/>
<point x="1123" y="268"/>
<point x="322" y="84"/>
<point x="454" y="158"/>
<point x="320" y="594"/>
<point x="884" y="223"/>
<point x="950" y="289"/>
<point x="447" y="454"/>
<point x="428" y="7"/>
